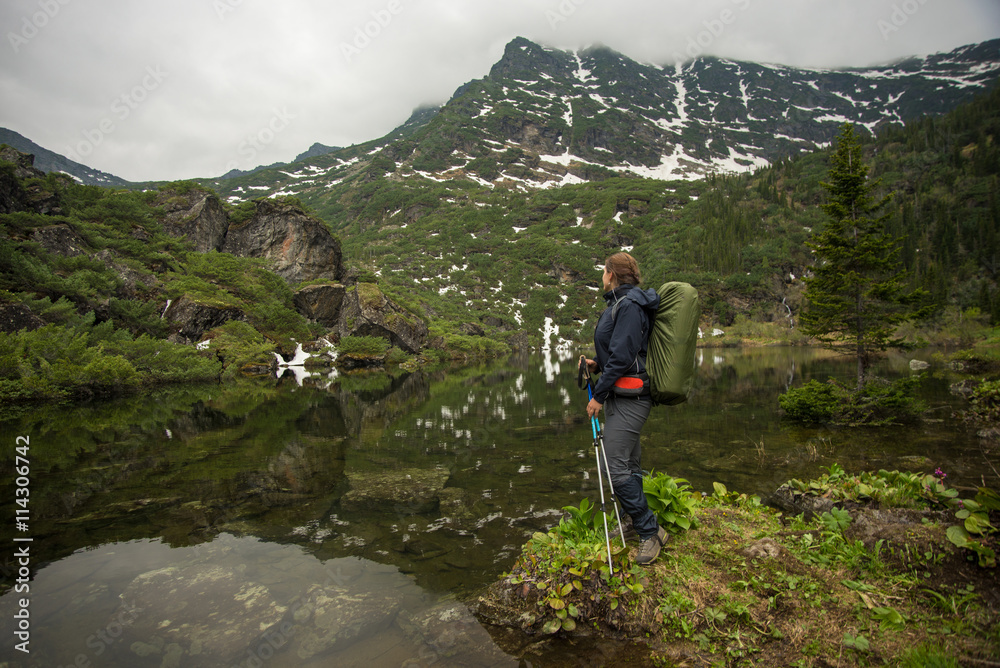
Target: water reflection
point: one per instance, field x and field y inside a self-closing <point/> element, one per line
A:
<point x="422" y="484"/>
<point x="241" y="601"/>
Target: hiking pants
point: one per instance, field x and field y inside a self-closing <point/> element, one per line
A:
<point x="623" y="420"/>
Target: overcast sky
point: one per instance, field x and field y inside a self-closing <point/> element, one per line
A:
<point x="171" y="90"/>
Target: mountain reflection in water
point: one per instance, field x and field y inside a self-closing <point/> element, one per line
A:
<point x="351" y="517"/>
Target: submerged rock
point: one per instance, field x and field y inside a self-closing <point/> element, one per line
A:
<point x="331" y="618"/>
<point x="404" y="491"/>
<point x="195" y="616"/>
<point x="449" y="633"/>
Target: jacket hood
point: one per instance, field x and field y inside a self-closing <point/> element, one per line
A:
<point x="645" y="298"/>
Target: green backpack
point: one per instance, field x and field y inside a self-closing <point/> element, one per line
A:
<point x="670" y="357"/>
<point x="673" y="339"/>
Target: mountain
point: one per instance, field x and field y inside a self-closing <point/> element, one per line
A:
<point x="316" y="150"/>
<point x="544" y="117"/>
<point x="47" y="161"/>
<point x="487" y="216"/>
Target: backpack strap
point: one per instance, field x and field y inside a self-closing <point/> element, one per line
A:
<point x="645" y="334"/>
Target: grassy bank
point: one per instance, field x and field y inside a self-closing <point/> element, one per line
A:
<point x="862" y="584"/>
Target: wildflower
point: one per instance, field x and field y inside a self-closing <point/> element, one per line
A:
<point x="940" y="474"/>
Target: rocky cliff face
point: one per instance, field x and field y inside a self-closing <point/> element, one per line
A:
<point x="367" y="312"/>
<point x="297" y="246"/>
<point x="197" y="216"/>
<point x="14" y="196"/>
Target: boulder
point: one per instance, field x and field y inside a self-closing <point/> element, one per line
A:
<point x="367" y="312"/>
<point x="320" y="303"/>
<point x="405" y="491"/>
<point x="471" y="329"/>
<point x="196" y="216"/>
<point x="195" y="616"/>
<point x="190" y="319"/>
<point x="298" y="247"/>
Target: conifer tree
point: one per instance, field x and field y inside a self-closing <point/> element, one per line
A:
<point x="856" y="292"/>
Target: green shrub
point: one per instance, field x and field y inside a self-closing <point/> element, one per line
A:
<point x="878" y="402"/>
<point x="363" y="345"/>
<point x="813" y="402"/>
<point x="239" y="345"/>
<point x="459" y="345"/>
<point x="110" y="373"/>
<point x="985" y="401"/>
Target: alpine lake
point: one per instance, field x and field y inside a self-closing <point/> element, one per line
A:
<point x="351" y="519"/>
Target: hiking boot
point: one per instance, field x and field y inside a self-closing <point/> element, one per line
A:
<point x="627" y="529"/>
<point x="650" y="548"/>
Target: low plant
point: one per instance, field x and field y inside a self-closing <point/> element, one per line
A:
<point x="889" y="489"/>
<point x="928" y="656"/>
<point x="975" y="526"/>
<point x="571" y="576"/>
<point x="901" y="489"/>
<point x="672" y="500"/>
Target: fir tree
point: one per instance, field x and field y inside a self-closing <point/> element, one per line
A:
<point x="856" y="293"/>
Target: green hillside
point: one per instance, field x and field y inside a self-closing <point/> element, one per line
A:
<point x="87" y="282"/>
<point x="462" y="251"/>
<point x="476" y="261"/>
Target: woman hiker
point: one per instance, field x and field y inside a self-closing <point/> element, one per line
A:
<point x="620" y="344"/>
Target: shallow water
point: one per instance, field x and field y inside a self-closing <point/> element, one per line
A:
<point x="264" y="490"/>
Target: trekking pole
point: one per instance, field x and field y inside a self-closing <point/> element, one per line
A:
<point x="595" y="427"/>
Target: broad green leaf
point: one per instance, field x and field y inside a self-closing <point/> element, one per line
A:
<point x="552" y="626"/>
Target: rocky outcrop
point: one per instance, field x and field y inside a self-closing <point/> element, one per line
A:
<point x="297" y="246"/>
<point x="197" y="216"/>
<point x="129" y="278"/>
<point x="24" y="163"/>
<point x="320" y="303"/>
<point x="15" y="317"/>
<point x="564" y="274"/>
<point x="59" y="239"/>
<point x="14" y="196"/>
<point x="190" y="320"/>
<point x="368" y="312"/>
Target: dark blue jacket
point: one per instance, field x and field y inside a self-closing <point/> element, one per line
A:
<point x="620" y="341"/>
